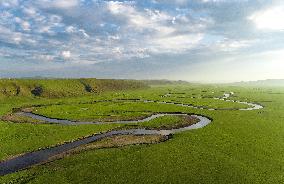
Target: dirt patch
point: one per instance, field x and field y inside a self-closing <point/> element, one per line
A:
<point x="115" y="142"/>
<point x="18" y="118"/>
<point x="27" y="109"/>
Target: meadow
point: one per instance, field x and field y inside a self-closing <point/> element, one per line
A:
<point x="237" y="147"/>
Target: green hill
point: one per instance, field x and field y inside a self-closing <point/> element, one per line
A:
<point x="163" y="82"/>
<point x="53" y="88"/>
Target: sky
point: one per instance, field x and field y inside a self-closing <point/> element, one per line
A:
<point x="193" y="40"/>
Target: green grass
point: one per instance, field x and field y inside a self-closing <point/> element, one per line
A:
<point x="53" y="88"/>
<point x="19" y="138"/>
<point x="125" y="110"/>
<point x="104" y="111"/>
<point x="165" y="123"/>
<point x="237" y="147"/>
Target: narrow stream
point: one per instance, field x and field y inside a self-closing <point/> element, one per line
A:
<point x="252" y="106"/>
<point x="29" y="159"/>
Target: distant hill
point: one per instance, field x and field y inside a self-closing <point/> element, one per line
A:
<point x="54" y="88"/>
<point x="163" y="82"/>
<point x="268" y="82"/>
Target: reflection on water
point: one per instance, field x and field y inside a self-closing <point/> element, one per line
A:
<point x="37" y="157"/>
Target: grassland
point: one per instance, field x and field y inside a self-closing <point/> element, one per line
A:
<point x="52" y="88"/>
<point x="238" y="147"/>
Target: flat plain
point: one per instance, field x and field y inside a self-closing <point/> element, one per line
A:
<point x="238" y="146"/>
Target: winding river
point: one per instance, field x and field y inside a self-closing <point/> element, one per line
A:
<point x="37" y="157"/>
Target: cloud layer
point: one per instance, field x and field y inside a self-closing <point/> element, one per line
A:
<point x="96" y="35"/>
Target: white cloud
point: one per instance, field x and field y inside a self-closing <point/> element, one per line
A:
<point x="17" y="38"/>
<point x="5" y="15"/>
<point x="74" y="30"/>
<point x="9" y="3"/>
<point x="14" y="37"/>
<point x="48" y="24"/>
<point x="46" y="29"/>
<point x="147" y="19"/>
<point x="113" y="37"/>
<point x="139" y="32"/>
<point x="269" y="19"/>
<point x="156" y="30"/>
<point x="184" y="2"/>
<point x="60" y="4"/>
<point x="93" y="31"/>
<point x="83" y="32"/>
<point x="30" y="11"/>
<point x="44" y="57"/>
<point x="180" y="1"/>
<point x="55" y="19"/>
<point x="118" y="7"/>
<point x="25" y="25"/>
<point x="232" y="45"/>
<point x="211" y="1"/>
<point x="10" y="36"/>
<point x="66" y="54"/>
<point x="175" y="43"/>
<point x="70" y="29"/>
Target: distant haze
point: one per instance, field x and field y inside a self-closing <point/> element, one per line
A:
<point x="192" y="40"/>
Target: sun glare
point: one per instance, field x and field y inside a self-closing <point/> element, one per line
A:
<point x="270" y="19"/>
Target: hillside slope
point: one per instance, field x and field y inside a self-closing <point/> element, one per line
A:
<point x="53" y="88"/>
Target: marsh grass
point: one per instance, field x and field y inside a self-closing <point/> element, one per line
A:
<point x="237" y="147"/>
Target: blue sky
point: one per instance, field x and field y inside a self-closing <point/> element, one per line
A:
<point x="195" y="40"/>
